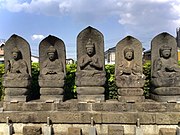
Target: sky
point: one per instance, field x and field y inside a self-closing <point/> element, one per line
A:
<point x="36" y="19"/>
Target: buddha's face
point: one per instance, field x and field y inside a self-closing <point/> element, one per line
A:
<point x="15" y="55"/>
<point x="51" y="56"/>
<point x="129" y="55"/>
<point x="90" y="51"/>
<point x="166" y="53"/>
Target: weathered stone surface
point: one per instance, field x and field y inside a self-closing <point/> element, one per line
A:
<point x="165" y="98"/>
<point x="51" y="91"/>
<point x="52" y="98"/>
<point x="91" y="98"/>
<point x="138" y="131"/>
<point x="120" y="118"/>
<point x="92" y="131"/>
<point x="128" y="68"/>
<point x="167" y="91"/>
<point x="167" y="131"/>
<point x="112" y="107"/>
<point x="168" y="118"/>
<point x="115" y="130"/>
<point x="165" y="69"/>
<point x="47" y="130"/>
<point x="31" y="130"/>
<point x="130" y="91"/>
<point x="16" y="91"/>
<point x="150" y="107"/>
<point x="52" y="68"/>
<point x="131" y="98"/>
<point x="17" y="68"/>
<point x="22" y="98"/>
<point x="146" y="118"/>
<point x="90" y="90"/>
<point x="74" y="131"/>
<point x="90" y="62"/>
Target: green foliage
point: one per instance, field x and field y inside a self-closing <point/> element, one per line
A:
<point x="111" y="89"/>
<point x="1" y="87"/>
<point x="147" y="73"/>
<point x="70" y="87"/>
<point x="35" y="93"/>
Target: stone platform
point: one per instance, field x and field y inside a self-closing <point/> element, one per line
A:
<point x="64" y="115"/>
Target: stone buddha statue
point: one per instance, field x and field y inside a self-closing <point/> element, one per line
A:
<point x="165" y="66"/>
<point x="90" y="65"/>
<point x="17" y="67"/>
<point x="17" y="77"/>
<point x="165" y="69"/>
<point x="128" y="71"/>
<point x="90" y="61"/>
<point x="52" y="67"/>
<point x="90" y="75"/>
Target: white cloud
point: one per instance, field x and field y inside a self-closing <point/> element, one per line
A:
<point x="143" y="18"/>
<point x="37" y="37"/>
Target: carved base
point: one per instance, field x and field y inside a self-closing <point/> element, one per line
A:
<point x="16" y="91"/>
<point x="130" y="95"/>
<point x="22" y="98"/>
<point x="166" y="82"/>
<point x="131" y="98"/>
<point x="91" y="98"/>
<point x="130" y="81"/>
<point x="163" y="98"/>
<point x="51" y="83"/>
<point x="130" y="92"/>
<point x="51" y="91"/>
<point x="168" y="91"/>
<point x="17" y="83"/>
<point x="51" y="98"/>
<point x="90" y="94"/>
<point x="51" y="94"/>
<point x="90" y="90"/>
<point x="90" y="78"/>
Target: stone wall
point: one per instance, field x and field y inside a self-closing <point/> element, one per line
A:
<point x="110" y="117"/>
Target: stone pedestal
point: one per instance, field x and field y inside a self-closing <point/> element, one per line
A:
<point x="128" y="70"/>
<point x="51" y="94"/>
<point x="52" y="69"/>
<point x="19" y="93"/>
<point x="90" y="75"/>
<point x="130" y="95"/>
<point x="166" y="94"/>
<point x="90" y="94"/>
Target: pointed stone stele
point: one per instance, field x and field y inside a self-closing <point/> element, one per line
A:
<point x="92" y="129"/>
<point x="138" y="128"/>
<point x="47" y="129"/>
<point x="9" y="127"/>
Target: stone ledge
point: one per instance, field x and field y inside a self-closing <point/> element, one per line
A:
<point x="171" y="118"/>
<point x="73" y="105"/>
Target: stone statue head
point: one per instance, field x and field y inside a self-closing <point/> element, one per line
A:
<point x="51" y="52"/>
<point x="165" y="51"/>
<point x="129" y="54"/>
<point x="90" y="48"/>
<point x="16" y="53"/>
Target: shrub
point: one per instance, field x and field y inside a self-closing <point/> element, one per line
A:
<point x="70" y="87"/>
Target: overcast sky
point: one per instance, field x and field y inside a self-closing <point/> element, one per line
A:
<point x="36" y="19"/>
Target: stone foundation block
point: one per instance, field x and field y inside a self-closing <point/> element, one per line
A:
<point x="32" y="130"/>
<point x="74" y="131"/>
<point x="91" y="98"/>
<point x="115" y="130"/>
<point x="167" y="131"/>
<point x="130" y="91"/>
<point x="131" y="98"/>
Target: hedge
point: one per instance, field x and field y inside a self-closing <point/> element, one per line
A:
<point x="70" y="88"/>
